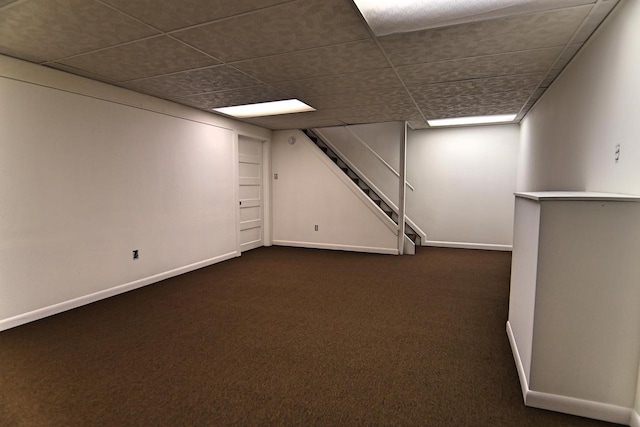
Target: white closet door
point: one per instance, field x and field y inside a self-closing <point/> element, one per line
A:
<point x="251" y="200"/>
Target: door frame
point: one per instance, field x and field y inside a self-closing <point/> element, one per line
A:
<point x="267" y="221"/>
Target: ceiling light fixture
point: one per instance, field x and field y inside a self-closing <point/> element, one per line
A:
<point x="261" y="109"/>
<point x="473" y="120"/>
<point x="401" y="16"/>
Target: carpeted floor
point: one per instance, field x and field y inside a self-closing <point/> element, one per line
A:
<point x="282" y="336"/>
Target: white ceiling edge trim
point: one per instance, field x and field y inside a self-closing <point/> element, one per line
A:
<point x="402" y="16"/>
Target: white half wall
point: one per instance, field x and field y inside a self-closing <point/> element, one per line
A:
<point x="464" y="181"/>
<point x="309" y="192"/>
<point x="569" y="137"/>
<point x="89" y="173"/>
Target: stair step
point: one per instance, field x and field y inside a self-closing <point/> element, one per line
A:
<point x="412" y="237"/>
<point x="356" y="180"/>
<point x="345" y="170"/>
<point x="324" y="149"/>
<point x="335" y="159"/>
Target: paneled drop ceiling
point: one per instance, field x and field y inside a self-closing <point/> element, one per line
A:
<point x="215" y="53"/>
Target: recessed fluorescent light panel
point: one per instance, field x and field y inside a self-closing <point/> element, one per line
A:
<point x="273" y="108"/>
<point x="475" y="120"/>
<point x="402" y="16"/>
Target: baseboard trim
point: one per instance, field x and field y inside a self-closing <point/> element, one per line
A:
<point x="524" y="384"/>
<point x="465" y="245"/>
<point x="41" y="313"/>
<point x="583" y="408"/>
<point x="351" y="248"/>
<point x="569" y="405"/>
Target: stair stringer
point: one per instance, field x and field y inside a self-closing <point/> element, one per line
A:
<point x="409" y="246"/>
<point x="352" y="186"/>
<point x="421" y="234"/>
<point x="309" y="189"/>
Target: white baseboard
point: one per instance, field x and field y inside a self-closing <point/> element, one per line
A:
<point x="313" y="245"/>
<point x="569" y="405"/>
<point x="524" y="384"/>
<point x="41" y="313"/>
<point x="583" y="408"/>
<point x="465" y="245"/>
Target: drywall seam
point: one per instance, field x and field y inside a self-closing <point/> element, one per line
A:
<point x="41" y="313"/>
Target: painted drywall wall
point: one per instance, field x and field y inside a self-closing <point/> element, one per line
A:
<point x="383" y="138"/>
<point x="637" y="402"/>
<point x="464" y="180"/>
<point x="524" y="269"/>
<point x="373" y="151"/>
<point x="309" y="192"/>
<point x="587" y="322"/>
<point x="84" y="181"/>
<point x="569" y="137"/>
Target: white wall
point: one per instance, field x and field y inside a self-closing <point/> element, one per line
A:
<point x="569" y="137"/>
<point x="383" y="138"/>
<point x="86" y="179"/>
<point x="464" y="180"/>
<point x="311" y="190"/>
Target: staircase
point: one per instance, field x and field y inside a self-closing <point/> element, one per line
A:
<point x="410" y="234"/>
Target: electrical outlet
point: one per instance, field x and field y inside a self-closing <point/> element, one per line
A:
<point x="136" y="255"/>
<point x="315" y="227"/>
<point x="275" y="176"/>
<point x="617" y="153"/>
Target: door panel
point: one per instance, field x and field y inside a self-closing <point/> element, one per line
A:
<point x="250" y="191"/>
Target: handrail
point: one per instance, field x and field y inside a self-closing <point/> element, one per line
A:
<point x="384" y="162"/>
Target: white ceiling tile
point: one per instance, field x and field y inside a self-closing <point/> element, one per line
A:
<point x="481" y="100"/>
<point x="363" y="81"/>
<point x="249" y="95"/>
<point x="511" y="34"/>
<point x="354" y="99"/>
<point x="171" y="14"/>
<point x="478" y="86"/>
<point x="210" y="79"/>
<point x="54" y="29"/>
<point x="284" y="28"/>
<point x="323" y="61"/>
<point x="527" y="62"/>
<point x="145" y="58"/>
<point x="319" y="51"/>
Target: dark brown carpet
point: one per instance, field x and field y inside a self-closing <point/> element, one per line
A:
<point x="282" y="336"/>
